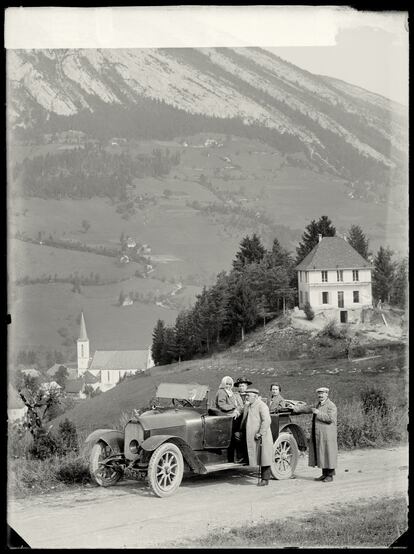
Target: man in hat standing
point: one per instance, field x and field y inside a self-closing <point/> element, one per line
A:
<point x="256" y="419"/>
<point x="323" y="447"/>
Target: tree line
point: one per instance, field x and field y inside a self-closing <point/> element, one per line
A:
<point x="89" y="171"/>
<point x="262" y="284"/>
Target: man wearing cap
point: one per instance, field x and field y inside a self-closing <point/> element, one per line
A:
<point x="240" y="397"/>
<point x="323" y="447"/>
<point x="256" y="419"/>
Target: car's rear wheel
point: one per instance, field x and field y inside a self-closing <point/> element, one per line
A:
<point x="102" y="475"/>
<point x="285" y="456"/>
<point x="165" y="469"/>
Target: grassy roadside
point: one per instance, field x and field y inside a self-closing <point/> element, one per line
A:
<point x="371" y="524"/>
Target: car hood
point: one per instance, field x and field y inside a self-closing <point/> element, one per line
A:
<point x="164" y="418"/>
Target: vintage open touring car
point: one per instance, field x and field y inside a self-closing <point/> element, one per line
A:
<point x="181" y="433"/>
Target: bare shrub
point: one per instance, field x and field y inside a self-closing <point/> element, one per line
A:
<point x="310" y="314"/>
<point x="333" y="330"/>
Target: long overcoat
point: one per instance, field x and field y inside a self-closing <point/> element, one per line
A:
<point x="323" y="446"/>
<point x="258" y="421"/>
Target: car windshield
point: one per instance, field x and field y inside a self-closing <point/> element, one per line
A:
<point x="182" y="391"/>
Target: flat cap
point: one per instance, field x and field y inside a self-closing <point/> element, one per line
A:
<point x="241" y="380"/>
<point x="322" y="389"/>
<point x="252" y="389"/>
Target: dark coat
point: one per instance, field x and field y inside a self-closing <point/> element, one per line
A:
<point x="323" y="446"/>
<point x="224" y="402"/>
<point x="257" y="420"/>
<point x="275" y="403"/>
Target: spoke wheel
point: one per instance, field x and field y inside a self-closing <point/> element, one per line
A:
<point x="285" y="456"/>
<point x="102" y="475"/>
<point x="165" y="469"/>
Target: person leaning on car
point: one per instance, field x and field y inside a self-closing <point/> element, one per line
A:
<point x="276" y="401"/>
<point x="323" y="445"/>
<point x="256" y="420"/>
<point x="225" y="398"/>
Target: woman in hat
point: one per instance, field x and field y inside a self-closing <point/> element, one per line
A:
<point x="256" y="419"/>
<point x="225" y="398"/>
<point x="276" y="399"/>
<point x="323" y="446"/>
<point x="241" y="383"/>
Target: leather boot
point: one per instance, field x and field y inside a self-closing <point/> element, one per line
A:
<point x="322" y="477"/>
<point x="263" y="483"/>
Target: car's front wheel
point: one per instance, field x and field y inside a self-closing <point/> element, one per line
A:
<point x="285" y="456"/>
<point x="103" y="475"/>
<point x="165" y="469"/>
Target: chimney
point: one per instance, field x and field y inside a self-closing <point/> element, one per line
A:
<point x="319" y="237"/>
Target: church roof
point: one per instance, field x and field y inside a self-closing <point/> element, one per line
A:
<point x="74" y="385"/>
<point x="119" y="359"/>
<point x="333" y="253"/>
<point x="89" y="378"/>
<point x="82" y="332"/>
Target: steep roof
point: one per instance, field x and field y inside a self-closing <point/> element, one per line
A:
<point x="82" y="332"/>
<point x="333" y="253"/>
<point x="89" y="378"/>
<point x="119" y="359"/>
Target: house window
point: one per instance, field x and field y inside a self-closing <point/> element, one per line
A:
<point x="300" y="297"/>
<point x="356" y="296"/>
<point x="324" y="276"/>
<point x="325" y="298"/>
<point x="300" y="276"/>
<point x="306" y="297"/>
<point x="306" y="276"/>
<point x="339" y="275"/>
<point x="340" y="299"/>
<point x="355" y="275"/>
<point x="81" y="350"/>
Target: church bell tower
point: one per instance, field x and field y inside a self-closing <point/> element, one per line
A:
<point x="83" y="348"/>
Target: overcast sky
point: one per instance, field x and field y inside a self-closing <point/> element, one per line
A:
<point x="366" y="56"/>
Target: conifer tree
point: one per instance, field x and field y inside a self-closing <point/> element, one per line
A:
<point x="251" y="251"/>
<point x="311" y="234"/>
<point x="358" y="240"/>
<point x="400" y="285"/>
<point x="383" y="275"/>
<point x="157" y="341"/>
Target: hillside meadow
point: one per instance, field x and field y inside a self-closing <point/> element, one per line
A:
<point x="298" y="379"/>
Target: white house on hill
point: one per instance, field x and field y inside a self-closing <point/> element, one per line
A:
<point x="109" y="366"/>
<point x="336" y="279"/>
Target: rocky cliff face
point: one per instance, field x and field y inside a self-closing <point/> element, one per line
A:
<point x="333" y="121"/>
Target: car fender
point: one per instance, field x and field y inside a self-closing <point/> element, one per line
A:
<point x="298" y="434"/>
<point x="112" y="437"/>
<point x="152" y="443"/>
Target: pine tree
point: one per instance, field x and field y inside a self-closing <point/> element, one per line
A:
<point x="157" y="341"/>
<point x="310" y="237"/>
<point x="251" y="251"/>
<point x="168" y="350"/>
<point x="358" y="240"/>
<point x="383" y="275"/>
<point x="242" y="312"/>
<point x="400" y="285"/>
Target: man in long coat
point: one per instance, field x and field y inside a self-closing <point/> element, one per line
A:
<point x="323" y="447"/>
<point x="256" y="419"/>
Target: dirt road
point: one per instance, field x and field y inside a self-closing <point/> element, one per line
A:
<point x="129" y="516"/>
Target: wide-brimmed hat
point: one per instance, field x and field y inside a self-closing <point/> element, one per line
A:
<point x="241" y="380"/>
<point x="252" y="389"/>
<point x="322" y="389"/>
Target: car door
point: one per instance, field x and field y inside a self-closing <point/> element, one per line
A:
<point x="217" y="431"/>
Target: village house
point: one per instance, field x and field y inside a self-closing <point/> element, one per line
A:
<point x="16" y="408"/>
<point x="335" y="279"/>
<point x="108" y="366"/>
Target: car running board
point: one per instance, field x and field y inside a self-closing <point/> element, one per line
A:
<point x="219" y="467"/>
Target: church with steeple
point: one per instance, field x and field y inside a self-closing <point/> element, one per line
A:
<point x="108" y="366"/>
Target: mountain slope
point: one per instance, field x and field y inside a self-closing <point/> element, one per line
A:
<point x="342" y="129"/>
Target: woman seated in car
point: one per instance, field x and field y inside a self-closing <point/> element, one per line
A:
<point x="276" y="401"/>
<point x="225" y="399"/>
